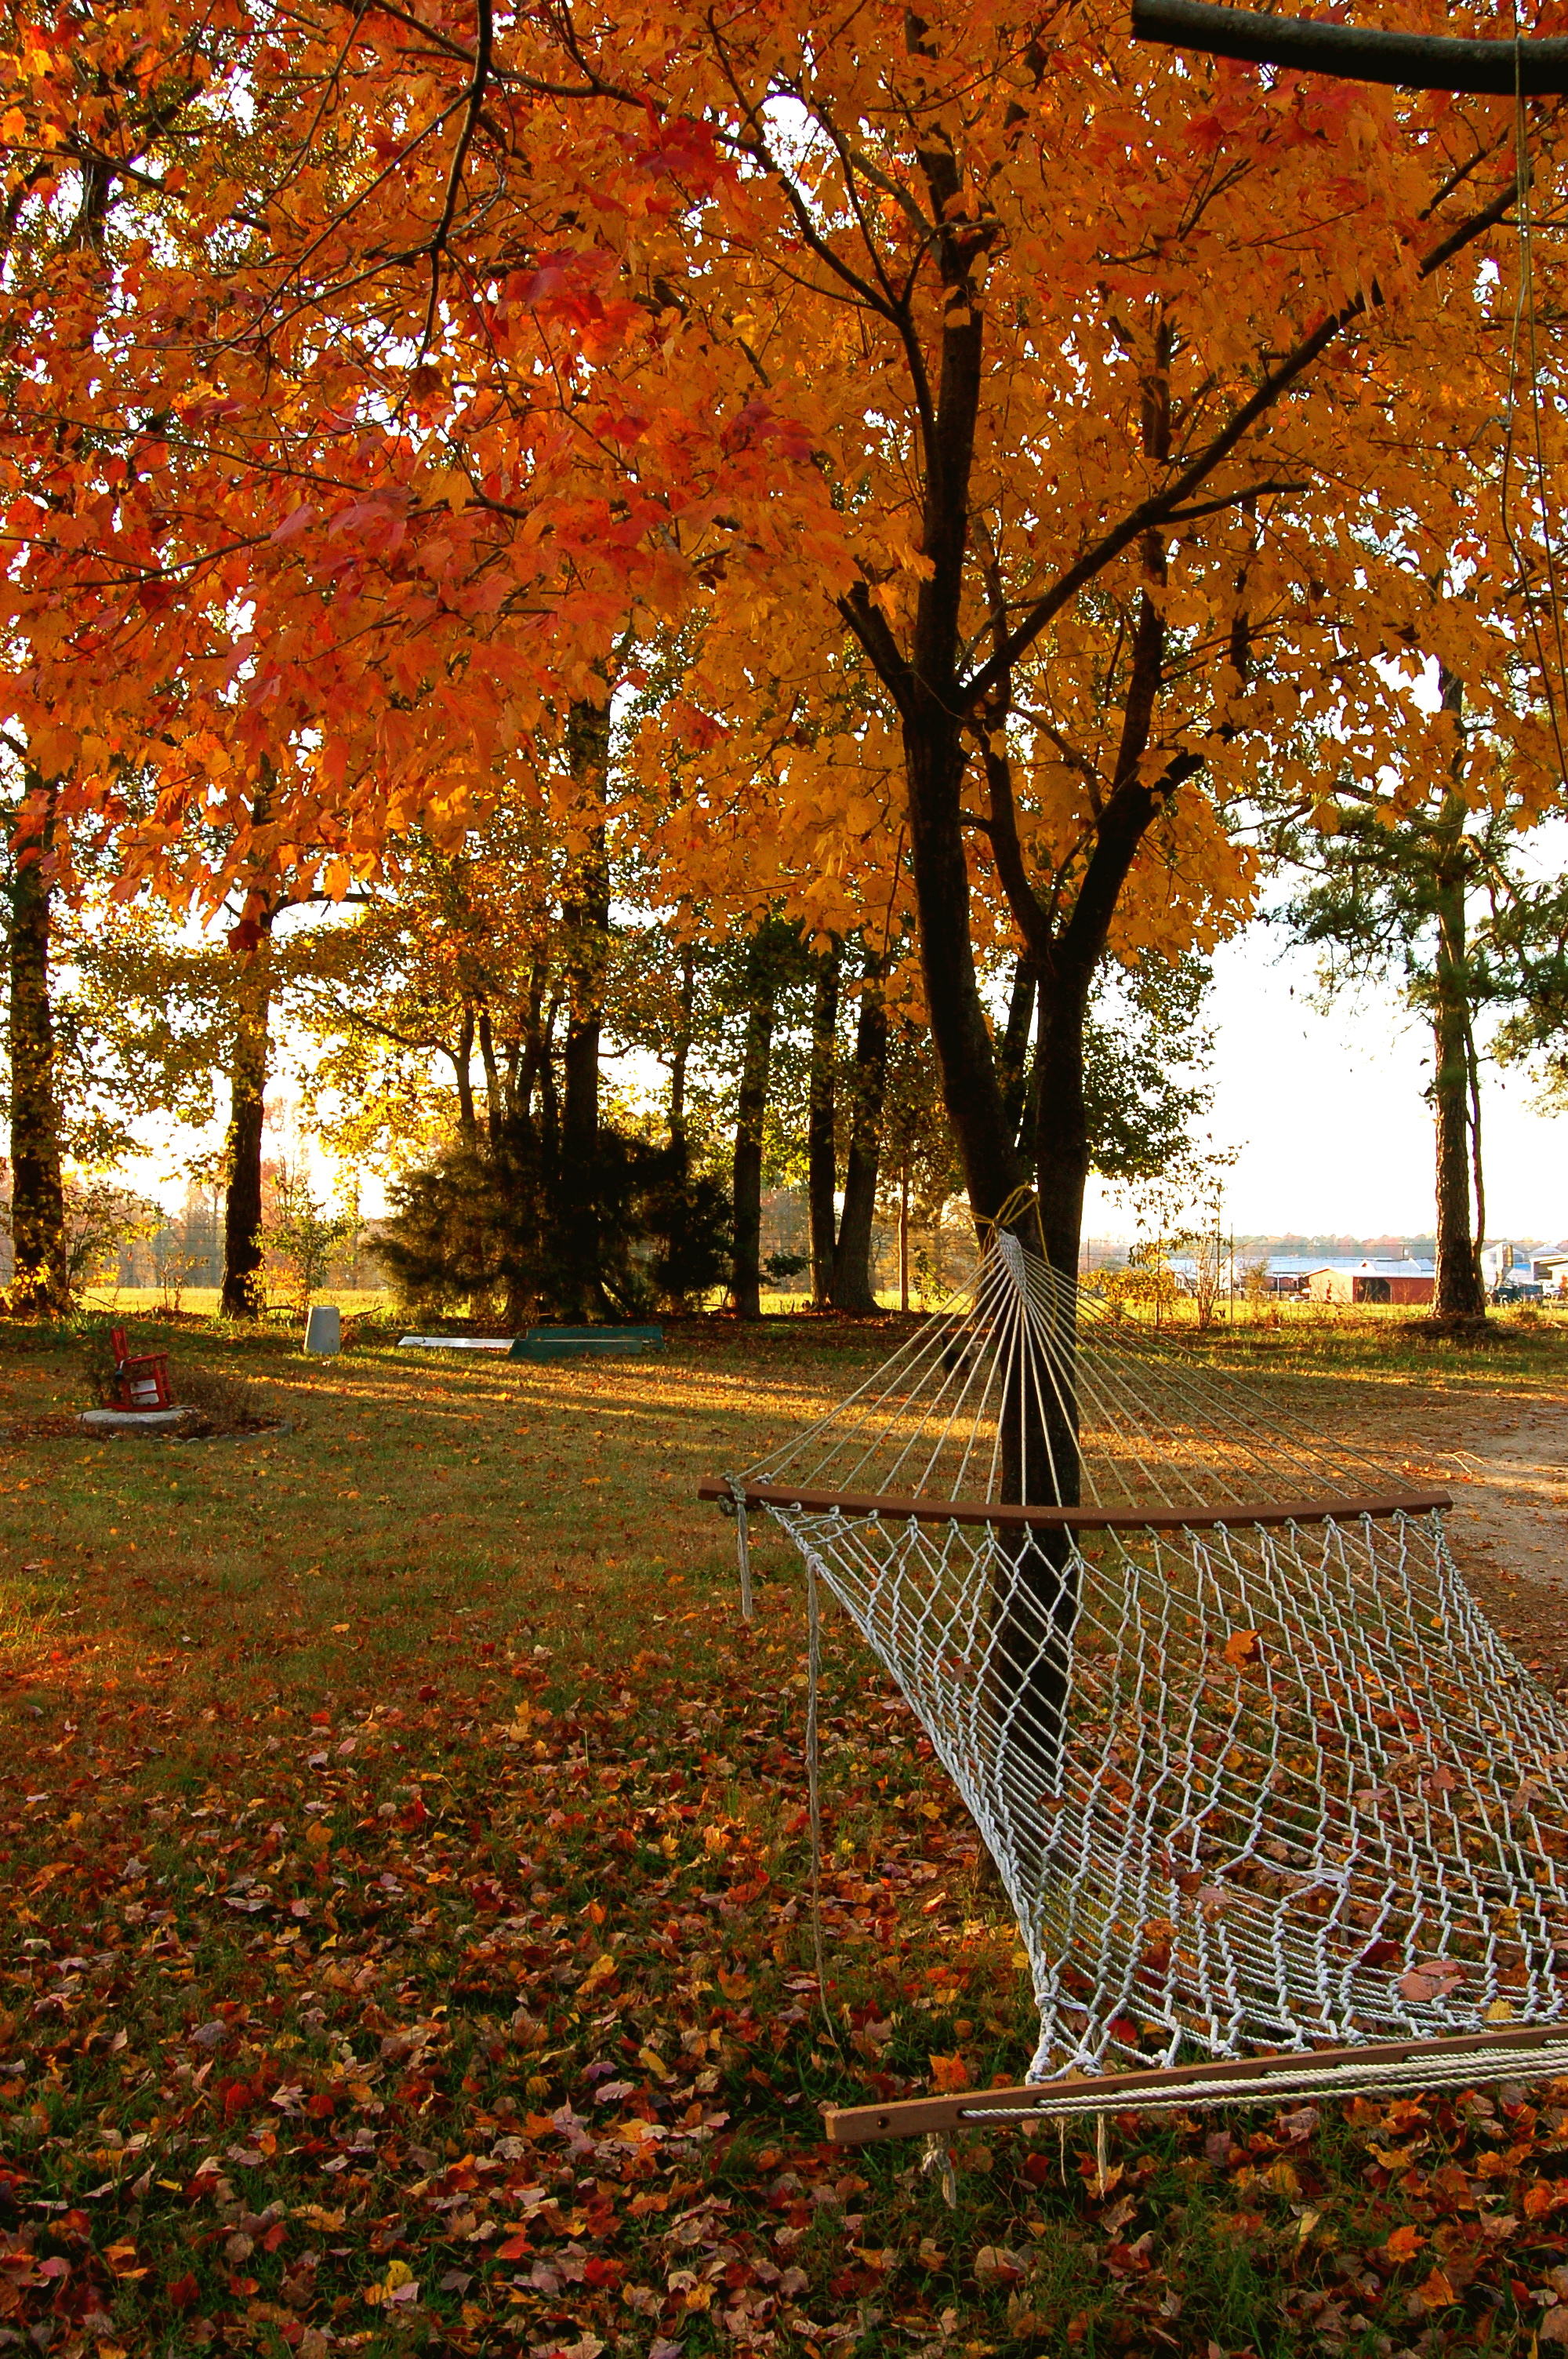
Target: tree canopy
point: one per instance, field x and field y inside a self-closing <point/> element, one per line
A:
<point x="978" y="461"/>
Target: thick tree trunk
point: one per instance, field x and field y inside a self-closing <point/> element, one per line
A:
<point x="1041" y="1458"/>
<point x="1060" y="1118"/>
<point x="586" y="927"/>
<point x="821" y="1142"/>
<point x="971" y="1087"/>
<point x="41" y="1285"/>
<point x="747" y="1280"/>
<point x="1035" y="1611"/>
<point x="852" y="1288"/>
<point x="1460" y="1290"/>
<point x="243" y="1248"/>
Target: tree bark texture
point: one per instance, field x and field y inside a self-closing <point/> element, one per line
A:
<point x="40" y="1287"/>
<point x="762" y="1000"/>
<point x="1060" y="1124"/>
<point x="853" y="1289"/>
<point x="243" y="1248"/>
<point x="821" y="1136"/>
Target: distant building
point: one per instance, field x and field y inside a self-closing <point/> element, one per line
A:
<point x="1500" y="1260"/>
<point x="1373" y="1281"/>
<point x="1549" y="1267"/>
<point x="1507" y="1272"/>
<point x="1287" y="1275"/>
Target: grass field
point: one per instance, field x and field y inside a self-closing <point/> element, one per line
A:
<point x="410" y="1945"/>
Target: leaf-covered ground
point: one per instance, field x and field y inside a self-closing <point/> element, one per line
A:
<point x="409" y="1938"/>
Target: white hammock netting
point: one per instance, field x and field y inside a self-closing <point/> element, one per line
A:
<point x="1257" y="1773"/>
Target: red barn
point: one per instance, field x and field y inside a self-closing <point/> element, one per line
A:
<point x="1374" y="1281"/>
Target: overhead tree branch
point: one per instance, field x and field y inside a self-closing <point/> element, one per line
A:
<point x="1410" y="60"/>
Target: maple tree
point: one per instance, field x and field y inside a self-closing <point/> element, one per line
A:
<point x="54" y="233"/>
<point x="1102" y="562"/>
<point x="1019" y="504"/>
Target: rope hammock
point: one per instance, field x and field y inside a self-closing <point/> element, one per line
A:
<point x="1275" y="1809"/>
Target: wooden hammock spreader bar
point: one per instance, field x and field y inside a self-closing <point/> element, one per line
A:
<point x="1247" y="2076"/>
<point x="1309" y="45"/>
<point x="1242" y="1517"/>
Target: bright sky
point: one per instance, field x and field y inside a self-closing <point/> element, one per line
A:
<point x="1329" y="1113"/>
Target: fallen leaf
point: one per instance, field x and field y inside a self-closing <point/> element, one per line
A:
<point x="1436" y="2291"/>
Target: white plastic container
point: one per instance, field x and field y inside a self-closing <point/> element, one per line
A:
<point x="324" y="1329"/>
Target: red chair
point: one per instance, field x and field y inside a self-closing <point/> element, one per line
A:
<point x="141" y="1379"/>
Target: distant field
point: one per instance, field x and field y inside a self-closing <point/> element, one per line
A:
<point x="151" y="1302"/>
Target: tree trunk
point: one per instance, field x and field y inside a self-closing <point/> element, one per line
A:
<point x="904" y="1235"/>
<point x="536" y="1045"/>
<point x="462" y="1065"/>
<point x="853" y="1287"/>
<point x="41" y="1284"/>
<point x="971" y="1088"/>
<point x="494" y="1097"/>
<point x="821" y="1145"/>
<point x="685" y="1026"/>
<point x="1060" y="1118"/>
<point x="1034" y="1611"/>
<point x="1460" y="1290"/>
<point x="243" y="1249"/>
<point x="549" y="1095"/>
<point x="747" y="1282"/>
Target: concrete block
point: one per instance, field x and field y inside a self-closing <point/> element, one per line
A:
<point x="134" y="1420"/>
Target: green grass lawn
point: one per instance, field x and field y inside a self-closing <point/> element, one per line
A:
<point x="409" y="1936"/>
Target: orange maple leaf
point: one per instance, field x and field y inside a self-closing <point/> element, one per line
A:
<point x="1436" y="2291"/>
